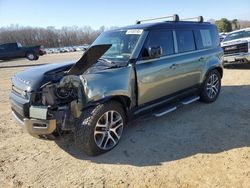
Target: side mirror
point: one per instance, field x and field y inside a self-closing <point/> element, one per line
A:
<point x="154" y="51"/>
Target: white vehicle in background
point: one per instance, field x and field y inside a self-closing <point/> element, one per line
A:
<point x="236" y="46"/>
<point x="222" y="36"/>
<point x="77" y="48"/>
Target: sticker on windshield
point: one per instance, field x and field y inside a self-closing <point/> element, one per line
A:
<point x="134" y="32"/>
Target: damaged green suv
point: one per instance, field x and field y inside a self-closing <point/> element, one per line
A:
<point x="145" y="69"/>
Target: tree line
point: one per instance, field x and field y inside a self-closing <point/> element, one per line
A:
<point x="71" y="36"/>
<point x="50" y="36"/>
<point x="225" y="25"/>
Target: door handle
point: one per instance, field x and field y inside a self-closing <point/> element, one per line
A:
<point x="201" y="58"/>
<point x="173" y="66"/>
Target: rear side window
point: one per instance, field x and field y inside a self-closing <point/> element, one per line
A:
<point x="161" y="38"/>
<point x="185" y="40"/>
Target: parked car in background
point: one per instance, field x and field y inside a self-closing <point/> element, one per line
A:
<point x="63" y="50"/>
<point x="139" y="70"/>
<point x="15" y="50"/>
<point x="66" y="49"/>
<point x="222" y="36"/>
<point x="77" y="48"/>
<point x="236" y="46"/>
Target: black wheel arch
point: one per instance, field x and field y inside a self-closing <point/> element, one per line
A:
<point x="218" y="68"/>
<point x="30" y="51"/>
<point x="125" y="101"/>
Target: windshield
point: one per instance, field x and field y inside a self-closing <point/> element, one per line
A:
<point x="123" y="44"/>
<point x="237" y="35"/>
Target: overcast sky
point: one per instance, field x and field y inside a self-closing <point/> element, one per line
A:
<point x="96" y="13"/>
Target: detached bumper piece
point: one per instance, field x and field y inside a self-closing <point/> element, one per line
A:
<point x="37" y="127"/>
<point x="37" y="124"/>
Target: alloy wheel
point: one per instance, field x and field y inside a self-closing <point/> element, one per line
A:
<point x="213" y="86"/>
<point x="108" y="130"/>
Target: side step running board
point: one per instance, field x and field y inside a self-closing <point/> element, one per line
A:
<point x="185" y="102"/>
<point x="173" y="108"/>
<point x="162" y="113"/>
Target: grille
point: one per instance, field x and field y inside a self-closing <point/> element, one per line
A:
<point x="19" y="92"/>
<point x="233" y="49"/>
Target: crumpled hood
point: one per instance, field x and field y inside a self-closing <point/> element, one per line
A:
<point x="89" y="58"/>
<point x="32" y="79"/>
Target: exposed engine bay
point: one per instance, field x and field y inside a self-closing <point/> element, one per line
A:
<point x="64" y="100"/>
<point x="63" y="92"/>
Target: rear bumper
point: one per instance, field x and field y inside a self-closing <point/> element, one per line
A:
<point x="242" y="57"/>
<point x="36" y="127"/>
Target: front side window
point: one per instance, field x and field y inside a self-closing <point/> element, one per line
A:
<point x="185" y="40"/>
<point x="163" y="39"/>
<point x="123" y="44"/>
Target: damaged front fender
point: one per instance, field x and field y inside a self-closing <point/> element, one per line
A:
<point x="118" y="82"/>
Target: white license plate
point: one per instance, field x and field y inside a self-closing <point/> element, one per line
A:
<point x="38" y="112"/>
<point x="230" y="59"/>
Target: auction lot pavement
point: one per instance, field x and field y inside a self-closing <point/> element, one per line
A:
<point x="200" y="145"/>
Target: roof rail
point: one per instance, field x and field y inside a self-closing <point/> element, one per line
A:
<point x="175" y="19"/>
<point x="199" y="19"/>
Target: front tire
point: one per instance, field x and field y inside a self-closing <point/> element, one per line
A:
<point x="211" y="87"/>
<point x="100" y="128"/>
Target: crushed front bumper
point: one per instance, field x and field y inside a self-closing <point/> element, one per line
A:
<point x="36" y="127"/>
<point x="242" y="57"/>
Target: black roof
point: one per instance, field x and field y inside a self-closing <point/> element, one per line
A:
<point x="168" y="25"/>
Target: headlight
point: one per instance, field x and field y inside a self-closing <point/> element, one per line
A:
<point x="63" y="92"/>
<point x="20" y="92"/>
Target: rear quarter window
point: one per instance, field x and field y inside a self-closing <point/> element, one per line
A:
<point x="185" y="40"/>
<point x="206" y="38"/>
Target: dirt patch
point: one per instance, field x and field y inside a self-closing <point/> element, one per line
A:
<point x="200" y="145"/>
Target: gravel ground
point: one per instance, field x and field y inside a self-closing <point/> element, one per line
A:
<point x="200" y="145"/>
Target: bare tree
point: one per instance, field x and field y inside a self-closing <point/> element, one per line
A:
<point x="50" y="36"/>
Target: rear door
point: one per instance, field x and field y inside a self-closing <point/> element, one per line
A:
<point x="189" y="62"/>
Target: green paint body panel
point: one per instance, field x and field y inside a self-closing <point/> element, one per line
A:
<point x="156" y="78"/>
<point x="144" y="81"/>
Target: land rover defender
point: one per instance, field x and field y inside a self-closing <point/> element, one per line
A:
<point x="147" y="69"/>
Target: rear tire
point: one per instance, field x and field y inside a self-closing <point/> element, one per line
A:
<point x="31" y="56"/>
<point x="100" y="128"/>
<point x="211" y="87"/>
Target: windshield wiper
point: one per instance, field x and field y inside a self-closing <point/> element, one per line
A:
<point x="106" y="60"/>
